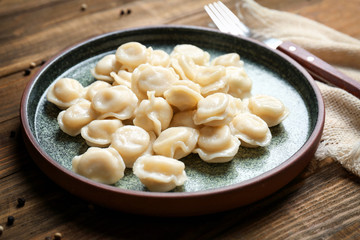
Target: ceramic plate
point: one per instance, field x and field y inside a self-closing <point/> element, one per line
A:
<point x="251" y="175"/>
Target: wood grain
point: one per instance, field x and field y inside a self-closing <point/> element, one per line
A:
<point x="322" y="203"/>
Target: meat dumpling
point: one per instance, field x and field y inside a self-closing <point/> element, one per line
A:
<point x="103" y="165"/>
<point x="159" y="173"/>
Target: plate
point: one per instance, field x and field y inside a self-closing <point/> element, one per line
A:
<point x="252" y="175"/>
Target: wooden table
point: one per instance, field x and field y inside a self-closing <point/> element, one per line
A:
<point x="322" y="203"/>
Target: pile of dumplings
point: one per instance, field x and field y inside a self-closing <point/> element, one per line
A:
<point x="147" y="109"/>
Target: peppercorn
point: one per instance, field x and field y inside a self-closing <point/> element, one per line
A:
<point x="27" y="72"/>
<point x="122" y="12"/>
<point x="83" y="7"/>
<point x="10" y="220"/>
<point x="12" y="134"/>
<point x="128" y="11"/>
<point x="32" y="64"/>
<point x="57" y="236"/>
<point x="21" y="202"/>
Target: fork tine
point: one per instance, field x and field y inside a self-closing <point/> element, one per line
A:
<point x="218" y="22"/>
<point x="226" y="20"/>
<point x="227" y="23"/>
<point x="221" y="21"/>
<point x="232" y="17"/>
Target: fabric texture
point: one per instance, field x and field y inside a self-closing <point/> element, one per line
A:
<point x="341" y="136"/>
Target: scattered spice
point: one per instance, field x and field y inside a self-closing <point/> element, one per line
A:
<point x="1" y="229"/>
<point x="32" y="64"/>
<point x="83" y="7"/>
<point x="12" y="134"/>
<point x="57" y="236"/>
<point x="10" y="220"/>
<point x="21" y="202"/>
<point x="43" y="62"/>
<point x="122" y="12"/>
<point x="27" y="72"/>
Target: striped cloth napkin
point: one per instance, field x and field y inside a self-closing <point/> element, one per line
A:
<point x="341" y="137"/>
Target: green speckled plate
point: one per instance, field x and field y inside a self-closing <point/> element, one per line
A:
<point x="250" y="176"/>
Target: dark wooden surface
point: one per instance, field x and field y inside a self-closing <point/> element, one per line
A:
<point x="322" y="203"/>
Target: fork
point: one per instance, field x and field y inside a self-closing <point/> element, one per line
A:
<point x="228" y="22"/>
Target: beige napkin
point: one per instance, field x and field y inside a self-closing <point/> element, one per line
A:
<point x="341" y="136"/>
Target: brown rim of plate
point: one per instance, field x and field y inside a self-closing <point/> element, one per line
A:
<point x="175" y="203"/>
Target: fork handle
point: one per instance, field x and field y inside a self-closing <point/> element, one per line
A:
<point x="319" y="69"/>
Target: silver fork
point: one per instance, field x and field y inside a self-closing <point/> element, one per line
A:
<point x="228" y="22"/>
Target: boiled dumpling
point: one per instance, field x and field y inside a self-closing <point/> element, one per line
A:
<point x="159" y="173"/>
<point x="251" y="130"/>
<point x="229" y="59"/>
<point x="176" y="142"/>
<point x="152" y="78"/>
<point x="153" y="114"/>
<point x="159" y="58"/>
<point x="211" y="79"/>
<point x="121" y="78"/>
<point x="65" y="92"/>
<point x="98" y="132"/>
<point x="104" y="67"/>
<point x="183" y="94"/>
<point x="118" y="101"/>
<point x="217" y="144"/>
<point x="93" y="88"/>
<point x="217" y="109"/>
<point x="184" y="119"/>
<point x="199" y="56"/>
<point x="184" y="66"/>
<point x="239" y="83"/>
<point x="132" y="142"/>
<point x="103" y="165"/>
<point x="268" y="108"/>
<point x="131" y="55"/>
<point x="75" y="117"/>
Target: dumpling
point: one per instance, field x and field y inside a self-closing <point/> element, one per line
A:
<point x="184" y="119"/>
<point x="176" y="142"/>
<point x="217" y="109"/>
<point x="98" y="132"/>
<point x="159" y="173"/>
<point x="75" y="117"/>
<point x="132" y="142"/>
<point x="199" y="56"/>
<point x="239" y="83"/>
<point x="184" y="95"/>
<point x="229" y="59"/>
<point x="217" y="144"/>
<point x="121" y="78"/>
<point x="211" y="79"/>
<point x="159" y="58"/>
<point x="118" y="101"/>
<point x="152" y="78"/>
<point x="184" y="66"/>
<point x="268" y="108"/>
<point x="93" y="88"/>
<point x="104" y="67"/>
<point x="65" y="92"/>
<point x="132" y="54"/>
<point x="103" y="165"/>
<point x="154" y="114"/>
<point x="251" y="130"/>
